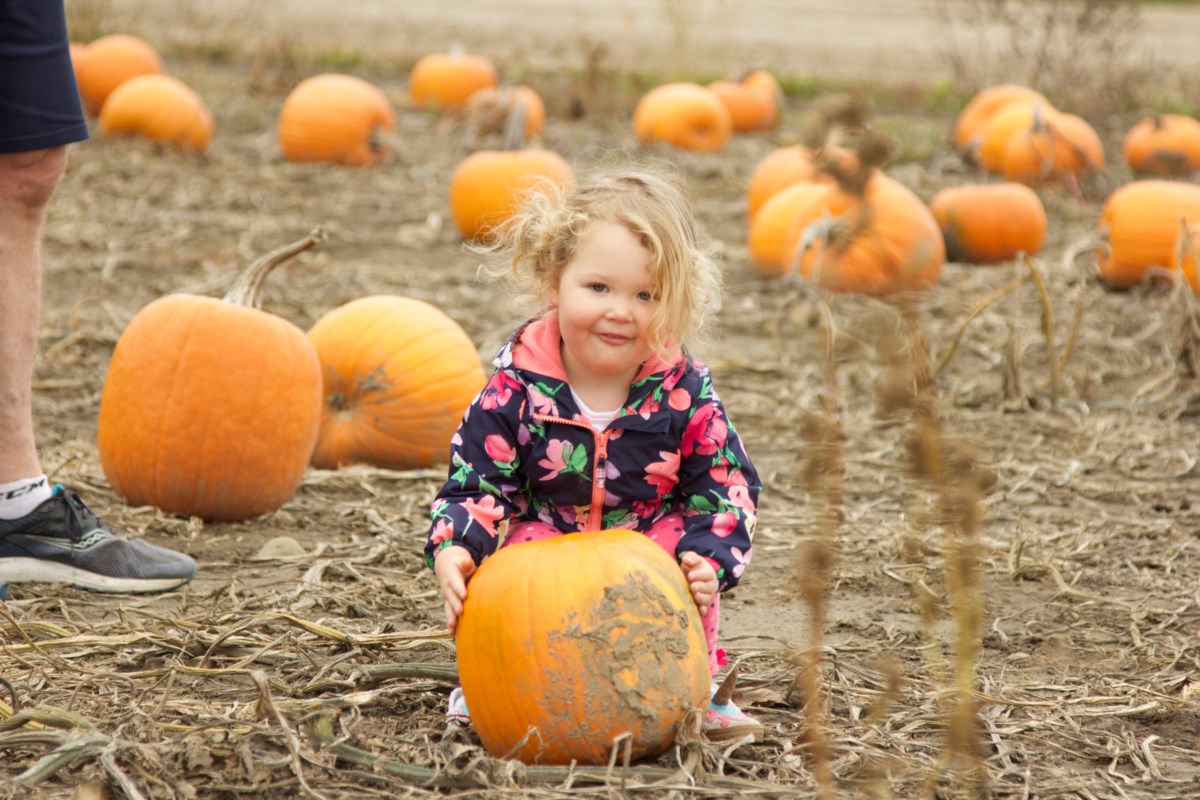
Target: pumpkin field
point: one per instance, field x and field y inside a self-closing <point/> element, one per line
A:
<point x="976" y="571"/>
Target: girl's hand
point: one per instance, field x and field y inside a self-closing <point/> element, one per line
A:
<point x="453" y="565"/>
<point x="701" y="578"/>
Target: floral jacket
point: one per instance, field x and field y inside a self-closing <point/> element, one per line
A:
<point x="524" y="451"/>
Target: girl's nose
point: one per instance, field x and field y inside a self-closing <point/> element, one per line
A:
<point x="619" y="308"/>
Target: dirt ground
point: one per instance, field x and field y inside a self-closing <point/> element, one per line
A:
<point x="322" y="668"/>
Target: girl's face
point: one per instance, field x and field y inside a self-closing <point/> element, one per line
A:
<point x="605" y="298"/>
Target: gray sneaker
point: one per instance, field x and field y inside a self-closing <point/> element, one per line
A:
<point x="63" y="541"/>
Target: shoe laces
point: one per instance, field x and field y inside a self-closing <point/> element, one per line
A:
<point x="80" y="518"/>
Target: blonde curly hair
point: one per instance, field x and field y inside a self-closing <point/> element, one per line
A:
<point x="535" y="246"/>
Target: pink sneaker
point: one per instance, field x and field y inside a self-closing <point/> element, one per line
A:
<point x="456" y="711"/>
<point x="726" y="723"/>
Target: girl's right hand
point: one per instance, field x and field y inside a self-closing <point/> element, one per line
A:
<point x="453" y="565"/>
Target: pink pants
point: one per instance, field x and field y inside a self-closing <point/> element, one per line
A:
<point x="665" y="533"/>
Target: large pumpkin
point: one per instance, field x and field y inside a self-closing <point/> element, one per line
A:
<point x="398" y="375"/>
<point x="109" y="61"/>
<point x="882" y="242"/>
<point x="684" y="115"/>
<point x="1165" y="144"/>
<point x="567" y="644"/>
<point x="989" y="223"/>
<point x="159" y="108"/>
<point x="210" y="407"/>
<point x="338" y="118"/>
<point x="1142" y="223"/>
<point x="488" y="186"/>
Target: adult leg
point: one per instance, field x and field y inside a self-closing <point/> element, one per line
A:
<point x="27" y="183"/>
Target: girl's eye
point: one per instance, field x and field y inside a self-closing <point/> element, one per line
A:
<point x="598" y="287"/>
<point x="646" y="297"/>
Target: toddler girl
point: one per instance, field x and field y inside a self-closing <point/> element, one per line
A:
<point x="596" y="417"/>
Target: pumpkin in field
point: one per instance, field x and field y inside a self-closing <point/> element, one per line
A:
<point x="1166" y="145"/>
<point x="160" y="108"/>
<point x="488" y="186"/>
<point x="684" y="115"/>
<point x="1056" y="147"/>
<point x="968" y="127"/>
<point x="1141" y="221"/>
<point x="763" y="81"/>
<point x="1010" y="120"/>
<point x="447" y="80"/>
<point x="210" y="407"/>
<point x="989" y="223"/>
<point x="750" y="108"/>
<point x="488" y="109"/>
<point x="1185" y="257"/>
<point x="108" y="62"/>
<point x="880" y="242"/>
<point x="790" y="164"/>
<point x="567" y="644"/>
<point x="779" y="225"/>
<point x="398" y="375"/>
<point x="337" y="118"/>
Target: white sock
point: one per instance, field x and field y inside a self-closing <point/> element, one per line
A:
<point x="19" y="498"/>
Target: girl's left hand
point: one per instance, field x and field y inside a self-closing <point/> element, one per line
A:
<point x="701" y="578"/>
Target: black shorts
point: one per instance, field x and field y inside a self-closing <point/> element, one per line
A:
<point x="39" y="101"/>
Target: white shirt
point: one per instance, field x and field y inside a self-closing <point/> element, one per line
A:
<point x="599" y="419"/>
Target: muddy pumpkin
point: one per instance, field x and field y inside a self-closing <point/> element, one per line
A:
<point x="567" y="645"/>
<point x="397" y="373"/>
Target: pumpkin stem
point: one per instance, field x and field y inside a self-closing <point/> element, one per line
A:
<point x="246" y="289"/>
<point x="724" y="692"/>
<point x="514" y="126"/>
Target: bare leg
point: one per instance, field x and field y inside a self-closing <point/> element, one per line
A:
<point x="27" y="182"/>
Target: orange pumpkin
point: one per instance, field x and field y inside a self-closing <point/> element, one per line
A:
<point x="1142" y="222"/>
<point x="880" y="243"/>
<point x="780" y="223"/>
<point x="447" y="80"/>
<point x="488" y="109"/>
<point x="979" y="109"/>
<point x="1055" y="147"/>
<point x="1010" y="120"/>
<point x="210" y="407"/>
<point x="488" y="186"/>
<point x="1185" y="256"/>
<point x="683" y="115"/>
<point x="968" y="127"/>
<point x="750" y="109"/>
<point x="398" y="375"/>
<point x="784" y="166"/>
<point x="567" y="645"/>
<point x="763" y="81"/>
<point x="160" y="108"/>
<point x="110" y="61"/>
<point x="337" y="118"/>
<point x="1167" y="145"/>
<point x="989" y="223"/>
